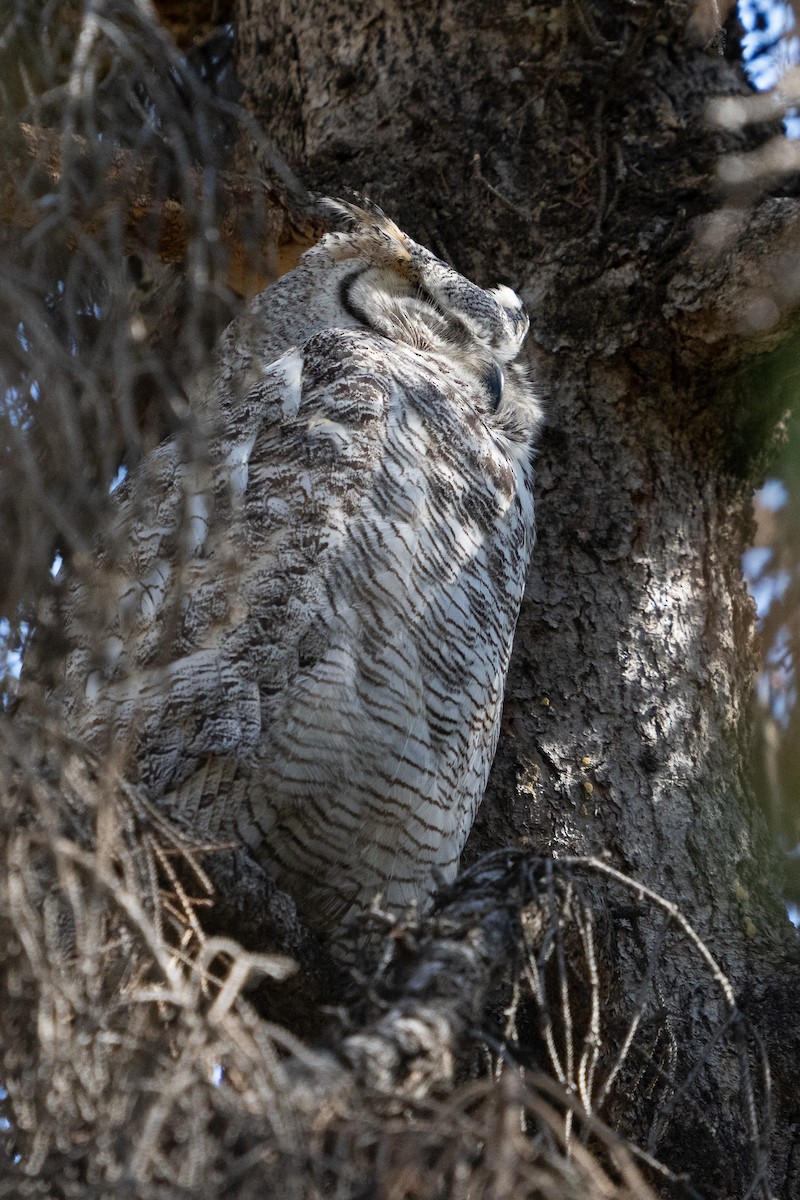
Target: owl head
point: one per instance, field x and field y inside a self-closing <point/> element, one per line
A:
<point x="405" y="270"/>
<point x="366" y="273"/>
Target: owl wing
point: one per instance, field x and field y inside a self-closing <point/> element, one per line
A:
<point x="220" y="600"/>
<point x="375" y="752"/>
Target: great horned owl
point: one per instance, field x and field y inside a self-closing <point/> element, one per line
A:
<point x="309" y="629"/>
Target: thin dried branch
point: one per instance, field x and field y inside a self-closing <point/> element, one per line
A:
<point x="172" y="1048"/>
<point x="131" y="227"/>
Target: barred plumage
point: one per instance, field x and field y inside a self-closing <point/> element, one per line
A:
<point x="311" y="631"/>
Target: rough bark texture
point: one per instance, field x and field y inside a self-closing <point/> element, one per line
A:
<point x="564" y="150"/>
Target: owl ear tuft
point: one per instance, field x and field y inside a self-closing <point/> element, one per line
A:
<point x="349" y="213"/>
<point x="364" y="231"/>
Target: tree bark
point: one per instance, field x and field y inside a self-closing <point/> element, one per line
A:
<point x="565" y="150"/>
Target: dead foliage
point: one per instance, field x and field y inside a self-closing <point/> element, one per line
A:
<point x="485" y="1056"/>
<point x="128" y="236"/>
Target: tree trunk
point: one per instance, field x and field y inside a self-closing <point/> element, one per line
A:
<point x="565" y="150"/>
